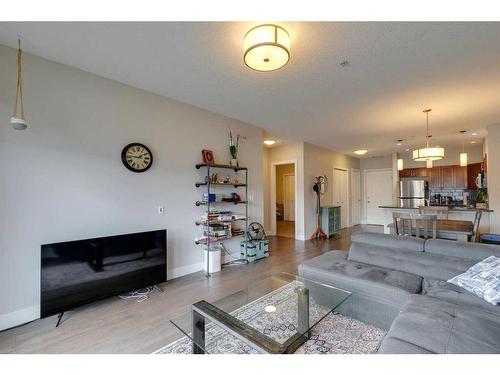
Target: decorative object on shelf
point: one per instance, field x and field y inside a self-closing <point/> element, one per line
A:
<point x="137" y="157"/>
<point x="319" y="186"/>
<point x="267" y="47"/>
<point x="18" y="121"/>
<point x="233" y="148"/>
<point x="482" y="198"/>
<point x="208" y="156"/>
<point x="428" y="153"/>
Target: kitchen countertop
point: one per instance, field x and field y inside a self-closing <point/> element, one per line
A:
<point x="452" y="208"/>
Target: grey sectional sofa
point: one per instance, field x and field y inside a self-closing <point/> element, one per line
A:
<point x="399" y="283"/>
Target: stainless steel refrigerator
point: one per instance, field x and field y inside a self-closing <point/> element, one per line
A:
<point x="413" y="192"/>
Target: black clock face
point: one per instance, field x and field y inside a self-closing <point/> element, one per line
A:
<point x="137" y="157"/>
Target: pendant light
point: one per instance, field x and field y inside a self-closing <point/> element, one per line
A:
<point x="428" y="153"/>
<point x="17" y="120"/>
<point x="463" y="154"/>
<point x="400" y="164"/>
<point x="428" y="163"/>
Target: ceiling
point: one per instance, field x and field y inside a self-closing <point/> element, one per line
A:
<point x="395" y="70"/>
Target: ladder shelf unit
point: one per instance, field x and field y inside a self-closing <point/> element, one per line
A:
<point x="208" y="205"/>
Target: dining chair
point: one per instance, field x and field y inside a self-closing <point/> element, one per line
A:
<point x="440" y="211"/>
<point x="475" y="228"/>
<point x="412" y="225"/>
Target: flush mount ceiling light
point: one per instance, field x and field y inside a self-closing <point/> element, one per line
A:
<point x="269" y="142"/>
<point x="17" y="120"/>
<point x="428" y="153"/>
<point x="360" y="152"/>
<point x="267" y="48"/>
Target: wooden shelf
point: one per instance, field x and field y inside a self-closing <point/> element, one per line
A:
<point x="198" y="184"/>
<point x="204" y="222"/>
<point x="212" y="240"/>
<point x="199" y="203"/>
<point x="224" y="166"/>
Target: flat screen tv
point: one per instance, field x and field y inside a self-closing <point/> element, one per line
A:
<point x="77" y="272"/>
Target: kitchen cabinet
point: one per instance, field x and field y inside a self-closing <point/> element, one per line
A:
<point x="447" y="177"/>
<point x="472" y="171"/>
<point x="413" y="172"/>
<point x="434" y="178"/>
<point x="459" y="177"/>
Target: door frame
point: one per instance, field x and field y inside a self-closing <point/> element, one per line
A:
<point x="273" y="194"/>
<point x="348" y="192"/>
<point x="365" y="172"/>
<point x="285" y="175"/>
<point x="360" y="197"/>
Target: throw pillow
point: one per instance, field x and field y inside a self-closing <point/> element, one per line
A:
<point x="482" y="279"/>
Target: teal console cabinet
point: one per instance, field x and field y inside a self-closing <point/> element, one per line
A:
<point x="330" y="220"/>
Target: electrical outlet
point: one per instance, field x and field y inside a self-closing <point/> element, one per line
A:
<point x="161" y="210"/>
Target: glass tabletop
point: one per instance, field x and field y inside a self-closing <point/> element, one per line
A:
<point x="273" y="315"/>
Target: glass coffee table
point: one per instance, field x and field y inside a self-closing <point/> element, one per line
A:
<point x="273" y="315"/>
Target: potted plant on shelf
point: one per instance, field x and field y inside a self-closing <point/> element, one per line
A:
<point x="481" y="198"/>
<point x="233" y="148"/>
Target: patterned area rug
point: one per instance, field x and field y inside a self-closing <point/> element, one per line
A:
<point x="336" y="333"/>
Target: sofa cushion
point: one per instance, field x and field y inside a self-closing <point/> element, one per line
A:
<point x="388" y="241"/>
<point x="385" y="285"/>
<point x="466" y="250"/>
<point x="429" y="325"/>
<point x="411" y="261"/>
<point x="451" y="293"/>
<point x="482" y="279"/>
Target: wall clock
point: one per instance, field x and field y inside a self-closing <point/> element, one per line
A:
<point x="137" y="157"/>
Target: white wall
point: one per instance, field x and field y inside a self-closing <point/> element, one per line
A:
<point x="493" y="165"/>
<point x="317" y="161"/>
<point x="62" y="178"/>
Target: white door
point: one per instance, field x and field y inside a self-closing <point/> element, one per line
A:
<point x="340" y="196"/>
<point x="378" y="193"/>
<point x="356" y="196"/>
<point x="289" y="197"/>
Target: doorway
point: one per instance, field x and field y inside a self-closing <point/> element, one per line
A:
<point x="341" y="194"/>
<point x="355" y="197"/>
<point x="378" y="192"/>
<point x="285" y="200"/>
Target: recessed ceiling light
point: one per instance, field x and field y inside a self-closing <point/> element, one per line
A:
<point x="399" y="143"/>
<point x="269" y="142"/>
<point x="360" y="152"/>
<point x="474" y="134"/>
<point x="473" y="142"/>
<point x="407" y="150"/>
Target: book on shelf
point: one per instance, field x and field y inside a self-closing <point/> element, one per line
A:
<point x="216" y="215"/>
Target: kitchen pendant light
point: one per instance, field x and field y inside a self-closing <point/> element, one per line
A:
<point x="266" y="48"/>
<point x="428" y="164"/>
<point x="400" y="164"/>
<point x="463" y="154"/>
<point x="18" y="121"/>
<point x="428" y="153"/>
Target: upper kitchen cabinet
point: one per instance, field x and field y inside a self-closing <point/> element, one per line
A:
<point x="447" y="177"/>
<point x="413" y="172"/>
<point x="459" y="177"/>
<point x="434" y="178"/>
<point x="472" y="171"/>
<point x="447" y="180"/>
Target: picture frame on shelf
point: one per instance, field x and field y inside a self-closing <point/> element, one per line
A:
<point x="208" y="156"/>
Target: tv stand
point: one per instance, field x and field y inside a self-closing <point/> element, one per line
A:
<point x="59" y="317"/>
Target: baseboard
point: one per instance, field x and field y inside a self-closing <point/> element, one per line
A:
<point x="301" y="237"/>
<point x="18" y="317"/>
<point x="185" y="270"/>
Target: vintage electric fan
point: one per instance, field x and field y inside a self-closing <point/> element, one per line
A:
<point x="320" y="184"/>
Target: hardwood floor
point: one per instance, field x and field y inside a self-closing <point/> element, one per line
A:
<point x="285" y="228"/>
<point x="126" y="326"/>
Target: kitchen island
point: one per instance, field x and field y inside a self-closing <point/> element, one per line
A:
<point x="454" y="213"/>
